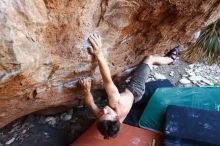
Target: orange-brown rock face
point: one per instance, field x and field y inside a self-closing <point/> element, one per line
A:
<point x="43" y="44"/>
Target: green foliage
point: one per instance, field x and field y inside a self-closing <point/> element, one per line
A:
<point x="207" y="46"/>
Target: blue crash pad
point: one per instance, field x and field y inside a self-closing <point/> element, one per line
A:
<point x="186" y="126"/>
<point x="153" y="116"/>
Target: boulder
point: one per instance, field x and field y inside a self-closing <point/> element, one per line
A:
<point x="43" y="44"/>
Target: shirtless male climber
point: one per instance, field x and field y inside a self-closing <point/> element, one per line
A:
<point x="119" y="104"/>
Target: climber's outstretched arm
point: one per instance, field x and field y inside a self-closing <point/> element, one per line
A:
<point x="111" y="89"/>
<point x="86" y="85"/>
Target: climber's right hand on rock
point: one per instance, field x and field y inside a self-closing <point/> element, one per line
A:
<point x="96" y="42"/>
<point x="85" y="84"/>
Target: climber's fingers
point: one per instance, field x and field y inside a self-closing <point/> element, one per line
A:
<point x="93" y="42"/>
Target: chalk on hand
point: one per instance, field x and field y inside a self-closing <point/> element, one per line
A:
<point x="73" y="83"/>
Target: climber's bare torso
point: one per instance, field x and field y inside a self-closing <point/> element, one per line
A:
<point x="122" y="104"/>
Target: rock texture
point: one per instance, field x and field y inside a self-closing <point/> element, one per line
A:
<point x="43" y="44"/>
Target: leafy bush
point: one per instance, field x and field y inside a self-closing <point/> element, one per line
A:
<point x="207" y="46"/>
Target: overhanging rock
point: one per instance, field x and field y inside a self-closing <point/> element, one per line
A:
<point x="43" y="44"/>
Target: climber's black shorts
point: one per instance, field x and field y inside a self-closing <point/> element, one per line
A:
<point x="138" y="80"/>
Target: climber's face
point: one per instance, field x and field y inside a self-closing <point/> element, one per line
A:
<point x="108" y="114"/>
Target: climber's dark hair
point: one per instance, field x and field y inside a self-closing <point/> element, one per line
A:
<point x="108" y="128"/>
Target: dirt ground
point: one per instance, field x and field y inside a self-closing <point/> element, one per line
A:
<point x="62" y="129"/>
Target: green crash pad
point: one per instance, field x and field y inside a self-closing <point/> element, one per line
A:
<point x="153" y="117"/>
